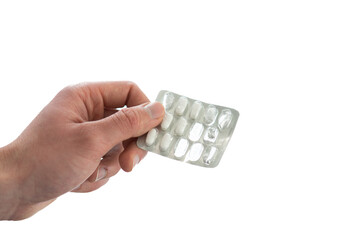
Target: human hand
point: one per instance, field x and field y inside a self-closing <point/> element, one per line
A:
<point x="62" y="148"/>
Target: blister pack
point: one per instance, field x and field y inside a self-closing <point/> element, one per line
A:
<point x="191" y="131"/>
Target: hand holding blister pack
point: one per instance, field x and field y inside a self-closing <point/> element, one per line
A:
<point x="191" y="131"/>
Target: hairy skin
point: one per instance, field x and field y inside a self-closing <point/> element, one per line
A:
<point x="75" y="136"/>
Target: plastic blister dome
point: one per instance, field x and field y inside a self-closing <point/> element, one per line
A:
<point x="192" y="131"/>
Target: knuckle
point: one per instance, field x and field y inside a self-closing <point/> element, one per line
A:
<point x="74" y="90"/>
<point x="74" y="87"/>
<point x="79" y="87"/>
<point x="132" y="85"/>
<point x="68" y="90"/>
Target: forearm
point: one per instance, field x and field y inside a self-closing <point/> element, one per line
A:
<point x="8" y="193"/>
<point x="16" y="202"/>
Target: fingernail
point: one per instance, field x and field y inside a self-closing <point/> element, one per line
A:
<point x="136" y="160"/>
<point x="155" y="109"/>
<point x="101" y="174"/>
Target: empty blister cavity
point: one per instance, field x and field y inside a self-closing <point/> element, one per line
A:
<point x="180" y="126"/>
<point x="195" y="152"/>
<point x="195" y="131"/>
<point x="166" y="121"/>
<point x="195" y="110"/>
<point x="224" y="119"/>
<point x="165" y="142"/>
<point x="211" y="134"/>
<point x="181" y="147"/>
<point x="181" y="105"/>
<point x="168" y="100"/>
<point x="151" y="136"/>
<point x="210" y="115"/>
<point x="209" y="155"/>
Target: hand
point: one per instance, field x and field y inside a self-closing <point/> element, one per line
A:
<point x="76" y="143"/>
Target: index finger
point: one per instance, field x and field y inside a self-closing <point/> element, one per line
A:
<point x="119" y="93"/>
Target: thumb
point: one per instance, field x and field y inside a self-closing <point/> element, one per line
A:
<point x="130" y="122"/>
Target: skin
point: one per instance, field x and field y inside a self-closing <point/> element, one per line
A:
<point x="76" y="143"/>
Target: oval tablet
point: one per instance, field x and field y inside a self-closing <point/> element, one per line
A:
<point x="181" y="148"/>
<point x="195" y="152"/>
<point x="166" y="121"/>
<point x="181" y="105"/>
<point x="191" y="131"/>
<point x="210" y="115"/>
<point x="151" y="136"/>
<point x="165" y="142"/>
<point x="180" y="126"/>
<point x="224" y="119"/>
<point x="196" y="131"/>
<point x="168" y="100"/>
<point x="195" y="110"/>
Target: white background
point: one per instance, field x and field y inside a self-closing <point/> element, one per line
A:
<point x="291" y="68"/>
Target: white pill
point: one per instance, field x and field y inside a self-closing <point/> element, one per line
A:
<point x="168" y="100"/>
<point x="180" y="126"/>
<point x="196" y="131"/>
<point x="195" y="110"/>
<point x="166" y="121"/>
<point x="224" y="119"/>
<point x="181" y="105"/>
<point x="195" y="152"/>
<point x="151" y="136"/>
<point x="210" y="115"/>
<point x="165" y="142"/>
<point x="181" y="148"/>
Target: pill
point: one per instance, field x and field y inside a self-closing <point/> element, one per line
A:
<point x="224" y="119"/>
<point x="196" y="131"/>
<point x="181" y="148"/>
<point x="180" y="126"/>
<point x="210" y="115"/>
<point x="166" y="121"/>
<point x="195" y="152"/>
<point x="195" y="110"/>
<point x="165" y="142"/>
<point x="151" y="137"/>
<point x="168" y="100"/>
<point x="209" y="155"/>
<point x="191" y="131"/>
<point x="181" y="105"/>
